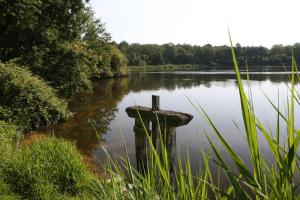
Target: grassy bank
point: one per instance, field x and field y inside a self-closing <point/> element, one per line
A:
<point x="163" y="68"/>
<point x="44" y="169"/>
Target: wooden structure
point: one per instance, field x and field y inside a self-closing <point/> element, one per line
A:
<point x="172" y="118"/>
<point x="153" y="119"/>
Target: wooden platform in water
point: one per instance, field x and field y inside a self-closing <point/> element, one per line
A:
<point x="169" y="117"/>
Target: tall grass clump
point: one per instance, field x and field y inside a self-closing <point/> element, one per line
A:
<point x="47" y="169"/>
<point x="8" y="140"/>
<point x="9" y="137"/>
<point x="266" y="180"/>
<point x="263" y="179"/>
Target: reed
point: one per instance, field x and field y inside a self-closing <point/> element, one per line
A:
<point x="261" y="180"/>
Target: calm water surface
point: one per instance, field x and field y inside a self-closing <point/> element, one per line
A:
<point x="217" y="93"/>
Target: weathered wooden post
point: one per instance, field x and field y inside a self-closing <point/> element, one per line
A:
<point x="141" y="149"/>
<point x="155" y="107"/>
<point x="138" y="123"/>
<point x="167" y="120"/>
<point x="155" y="102"/>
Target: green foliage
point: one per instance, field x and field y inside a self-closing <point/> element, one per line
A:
<point x="6" y="192"/>
<point x="8" y="140"/>
<point x="27" y="100"/>
<point x="25" y="23"/>
<point x="47" y="169"/>
<point x="61" y="41"/>
<point x="118" y="61"/>
<point x="67" y="66"/>
<point x="8" y="133"/>
<point x="207" y="55"/>
<point x="106" y="72"/>
<point x="96" y="39"/>
<point x="166" y="67"/>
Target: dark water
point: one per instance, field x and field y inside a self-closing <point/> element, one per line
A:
<point x="217" y="93"/>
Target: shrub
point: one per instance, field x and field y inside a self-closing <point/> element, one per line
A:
<point x="123" y="71"/>
<point x="106" y="73"/>
<point x="46" y="169"/>
<point x="27" y="100"/>
<point x="118" y="61"/>
<point x="67" y="66"/>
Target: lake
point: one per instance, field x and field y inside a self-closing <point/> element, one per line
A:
<point x="100" y="120"/>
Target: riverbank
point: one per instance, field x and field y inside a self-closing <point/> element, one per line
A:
<point x="45" y="167"/>
<point x="163" y="68"/>
<point x="195" y="67"/>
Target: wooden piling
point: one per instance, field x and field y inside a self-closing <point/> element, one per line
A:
<point x="155" y="103"/>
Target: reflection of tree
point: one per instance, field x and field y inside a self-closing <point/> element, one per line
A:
<point x="94" y="111"/>
<point x="102" y="121"/>
<point x="100" y="107"/>
<point x="172" y="81"/>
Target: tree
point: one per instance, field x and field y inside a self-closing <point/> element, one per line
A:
<point x="59" y="40"/>
<point x="169" y="53"/>
<point x="96" y="37"/>
<point x="28" y="23"/>
<point x="28" y="101"/>
<point x="182" y="56"/>
<point x="117" y="59"/>
<point x="208" y="55"/>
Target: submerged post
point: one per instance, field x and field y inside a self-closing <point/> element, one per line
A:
<point x="155" y="102"/>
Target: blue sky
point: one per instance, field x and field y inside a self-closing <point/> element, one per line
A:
<point x="255" y="22"/>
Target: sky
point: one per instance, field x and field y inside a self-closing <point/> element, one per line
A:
<point x="199" y="22"/>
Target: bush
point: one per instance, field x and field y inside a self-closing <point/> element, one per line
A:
<point x="27" y="100"/>
<point x="47" y="169"/>
<point x="118" y="61"/>
<point x="67" y="66"/>
<point x="106" y="73"/>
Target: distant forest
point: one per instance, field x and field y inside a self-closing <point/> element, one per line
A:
<point x="208" y="55"/>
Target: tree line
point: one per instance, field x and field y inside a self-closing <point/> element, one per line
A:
<point x="207" y="55"/>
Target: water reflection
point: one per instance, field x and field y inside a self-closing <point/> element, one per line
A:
<point x="105" y="109"/>
<point x="92" y="114"/>
<point x="173" y="81"/>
